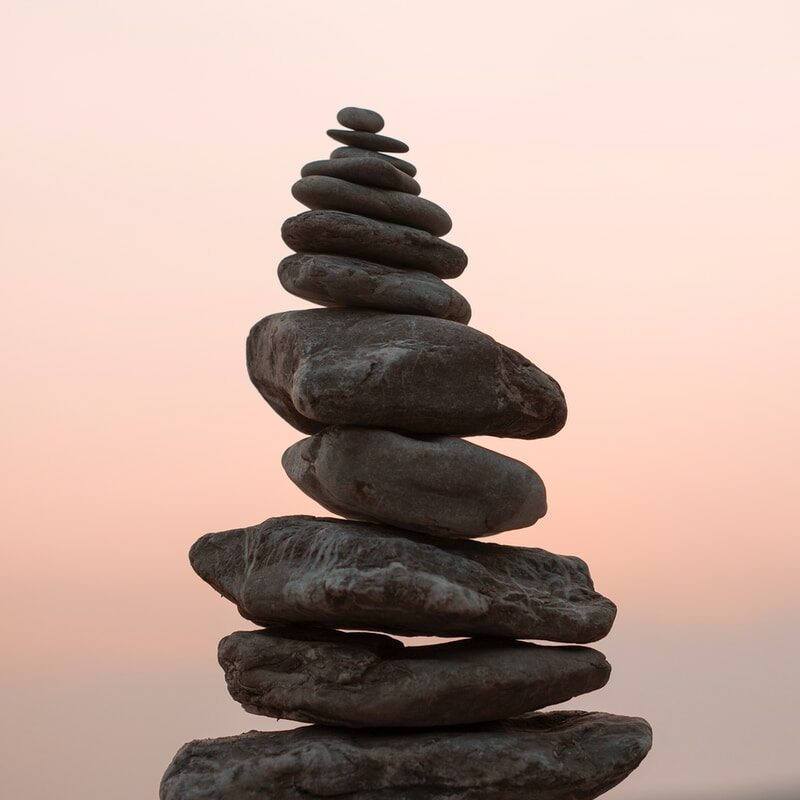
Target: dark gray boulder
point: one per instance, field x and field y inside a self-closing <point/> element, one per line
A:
<point x="360" y="119"/>
<point x="440" y="485"/>
<point x="344" y="234"/>
<point x="360" y="152"/>
<point x="566" y="755"/>
<point x="342" y="281"/>
<point x="333" y="366"/>
<point x="323" y="192"/>
<point x="362" y="576"/>
<point x="366" y="171"/>
<point x="370" y="680"/>
<point x="368" y="141"/>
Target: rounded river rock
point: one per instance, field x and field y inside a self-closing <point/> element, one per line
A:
<point x="360" y="119"/>
<point x="332" y="366"/>
<point x="323" y="192"/>
<point x="363" y="576"/>
<point x="563" y="755"/>
<point x="345" y="234"/>
<point x="435" y="484"/>
<point x="366" y="171"/>
<point x="370" y="680"/>
<point x="368" y="141"/>
<point x="342" y="281"/>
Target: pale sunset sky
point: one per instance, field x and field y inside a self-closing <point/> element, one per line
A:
<point x="625" y="177"/>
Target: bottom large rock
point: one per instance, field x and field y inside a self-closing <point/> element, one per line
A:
<point x="552" y="756"/>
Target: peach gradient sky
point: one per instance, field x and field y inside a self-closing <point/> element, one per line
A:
<point x="624" y="177"/>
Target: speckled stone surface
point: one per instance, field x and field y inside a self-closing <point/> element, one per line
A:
<point x="366" y="171"/>
<point x="362" y="576"/>
<point x="440" y="485"/>
<point x="345" y="234"/>
<point x="323" y="192"/>
<point x="418" y="374"/>
<point x="330" y="280"/>
<point x="367" y="679"/>
<point x="567" y="755"/>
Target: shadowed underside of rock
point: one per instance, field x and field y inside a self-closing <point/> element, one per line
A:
<point x="363" y="679"/>
<point x="346" y="234"/>
<point x="552" y="756"/>
<point x="341" y="281"/>
<point x="419" y="374"/>
<point x="362" y="576"/>
<point x="434" y="484"/>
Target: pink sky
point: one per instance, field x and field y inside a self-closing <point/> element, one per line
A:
<point x="624" y="177"/>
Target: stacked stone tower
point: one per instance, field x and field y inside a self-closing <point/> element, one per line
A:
<point x="385" y="381"/>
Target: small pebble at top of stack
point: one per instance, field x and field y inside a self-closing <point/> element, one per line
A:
<point x="360" y="119"/>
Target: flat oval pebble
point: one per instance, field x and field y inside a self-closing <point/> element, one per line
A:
<point x="361" y="576"/>
<point x="360" y="152"/>
<point x="440" y="485"/>
<point x="341" y="281"/>
<point x="345" y="234"/>
<point x="368" y="141"/>
<point x="337" y="366"/>
<point x="366" y="171"/>
<point x="370" y="680"/>
<point x="560" y="755"/>
<point x="321" y="192"/>
<point x="360" y="119"/>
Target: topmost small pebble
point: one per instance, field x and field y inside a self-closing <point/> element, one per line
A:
<point x="360" y="119"/>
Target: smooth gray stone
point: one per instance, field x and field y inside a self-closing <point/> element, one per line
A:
<point x="360" y="152"/>
<point x="370" y="680"/>
<point x="366" y="171"/>
<point x="562" y="755"/>
<point x="341" y="281"/>
<point x="360" y="119"/>
<point x="361" y="576"/>
<point x="434" y="484"/>
<point x="341" y="366"/>
<point x="344" y="234"/>
<point x="322" y="192"/>
<point x="368" y="141"/>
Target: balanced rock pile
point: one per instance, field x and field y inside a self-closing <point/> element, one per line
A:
<point x="385" y="380"/>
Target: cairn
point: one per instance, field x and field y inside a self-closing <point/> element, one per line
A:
<point x="385" y="380"/>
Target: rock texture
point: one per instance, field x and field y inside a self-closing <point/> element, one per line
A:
<point x="418" y="374"/>
<point x="342" y="281"/>
<point x="370" y="680"/>
<point x="360" y="152"/>
<point x="322" y="192"/>
<point x="360" y="119"/>
<point x="369" y="141"/>
<point x="347" y="234"/>
<point x="366" y="171"/>
<point x="553" y="756"/>
<point x="361" y="576"/>
<point x="433" y="484"/>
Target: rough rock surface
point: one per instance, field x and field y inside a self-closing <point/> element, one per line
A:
<point x="368" y="141"/>
<point x="365" y="679"/>
<point x="346" y="234"/>
<point x="419" y="374"/>
<point x="360" y="152"/>
<point x="567" y="755"/>
<point x="366" y="171"/>
<point x="360" y="119"/>
<point x="322" y="192"/>
<point x="341" y="281"/>
<point x="433" y="484"/>
<point x="362" y="576"/>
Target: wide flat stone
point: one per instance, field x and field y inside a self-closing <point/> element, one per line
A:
<point x="360" y="152"/>
<point x="433" y="484"/>
<point x="341" y="281"/>
<point x="360" y="119"/>
<point x="336" y="366"/>
<point x="366" y="171"/>
<point x="362" y="576"/>
<point x="343" y="234"/>
<point x="371" y="680"/>
<point x="564" y="755"/>
<point x="368" y="141"/>
<point x="323" y="192"/>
